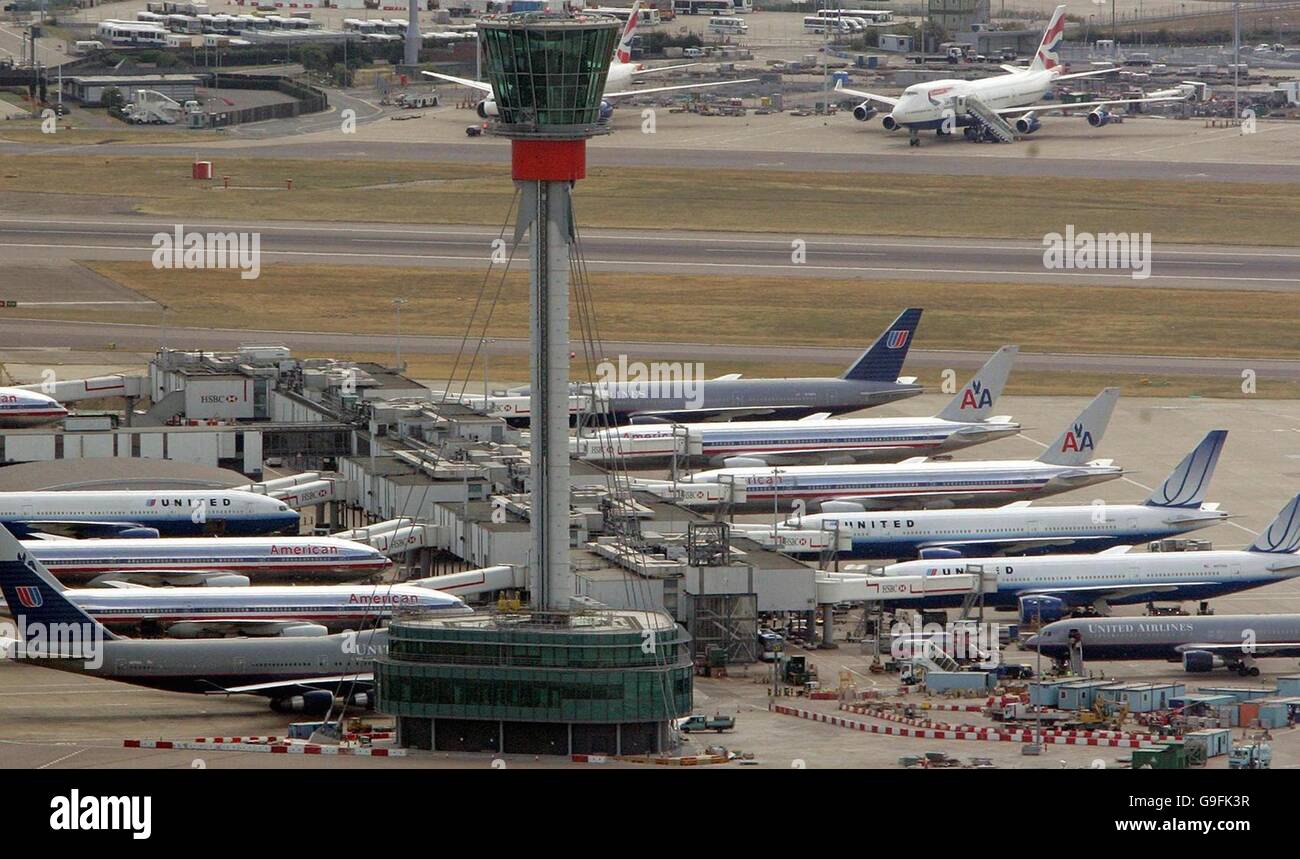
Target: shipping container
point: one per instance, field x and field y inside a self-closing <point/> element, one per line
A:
<point x="1215" y="742"/>
<point x="1080" y="695"/>
<point x="938" y="682"/>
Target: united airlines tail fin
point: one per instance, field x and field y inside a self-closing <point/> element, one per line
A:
<point x="1079" y="442"/>
<point x="1047" y="58"/>
<point x="1186" y="484"/>
<point x="36" y="599"/>
<point x="975" y="401"/>
<point x="623" y="53"/>
<point x="884" y="360"/>
<point x="1282" y="536"/>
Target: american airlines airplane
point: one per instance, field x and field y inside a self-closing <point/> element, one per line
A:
<point x="296" y="674"/>
<point x="1175" y="507"/>
<point x="618" y="82"/>
<point x="981" y="107"/>
<point x="141" y="513"/>
<point x="1202" y="643"/>
<point x="1045" y="587"/>
<point x="207" y="560"/>
<point x="922" y="483"/>
<point x="262" y="610"/>
<point x="21" y="408"/>
<point x="967" y="420"/>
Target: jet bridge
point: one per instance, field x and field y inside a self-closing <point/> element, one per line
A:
<point x="861" y="587"/>
<point x="94" y="388"/>
<point x="300" y="490"/>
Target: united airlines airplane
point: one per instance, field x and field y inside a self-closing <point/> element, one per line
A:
<point x="922" y="483"/>
<point x="967" y="420"/>
<point x="208" y="560"/>
<point x="1046" y="587"/>
<point x="138" y="513"/>
<point x="1176" y="507"/>
<point x="21" y="408"/>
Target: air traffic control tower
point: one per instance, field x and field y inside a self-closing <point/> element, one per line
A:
<point x="553" y="678"/>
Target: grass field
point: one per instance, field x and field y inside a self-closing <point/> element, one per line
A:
<point x="687" y="308"/>
<point x="767" y="201"/>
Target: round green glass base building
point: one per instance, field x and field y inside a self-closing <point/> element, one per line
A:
<point x="597" y="682"/>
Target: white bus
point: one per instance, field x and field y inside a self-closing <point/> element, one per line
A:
<point x="184" y="24"/>
<point x="871" y="16"/>
<point x="742" y="7"/>
<point x="702" y="7"/>
<point x="816" y="24"/>
<point x="151" y="18"/>
<point x="136" y="34"/>
<point x="728" y="25"/>
<point x="649" y="16"/>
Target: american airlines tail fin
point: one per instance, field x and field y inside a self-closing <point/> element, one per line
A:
<point x="623" y="53"/>
<point x="1186" y="484"/>
<point x="1282" y="536"/>
<point x="36" y="599"/>
<point x="884" y="360"/>
<point x="975" y="401"/>
<point x="1076" y="445"/>
<point x="1047" y="58"/>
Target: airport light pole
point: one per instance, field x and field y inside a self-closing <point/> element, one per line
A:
<point x="397" y="306"/>
<point x="484" y="344"/>
<point x="1236" y="59"/>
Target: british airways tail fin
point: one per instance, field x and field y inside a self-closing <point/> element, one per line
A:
<point x="1079" y="442"/>
<point x="975" y="401"/>
<point x="1282" y="536"/>
<point x="36" y="599"/>
<point x="1186" y="484"/>
<point x="884" y="360"/>
<point x="1047" y="57"/>
<point x="623" y="53"/>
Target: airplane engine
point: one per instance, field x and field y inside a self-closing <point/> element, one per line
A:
<point x="316" y="702"/>
<point x="304" y="630"/>
<point x="139" y="533"/>
<point x="938" y="552"/>
<point x="225" y="580"/>
<point x="486" y="108"/>
<point x="1201" y="661"/>
<point x="864" y="112"/>
<point x="1027" y="124"/>
<point x="841" y="507"/>
<point x="606" y="110"/>
<point x="744" y="462"/>
<point x="1098" y="118"/>
<point x="889" y="122"/>
<point x="1036" y="607"/>
<point x="362" y="699"/>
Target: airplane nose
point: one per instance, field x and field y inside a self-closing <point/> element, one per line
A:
<point x="1030" y="643"/>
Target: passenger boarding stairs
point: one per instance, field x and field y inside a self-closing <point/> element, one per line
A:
<point x="985" y="119"/>
<point x="926" y="656"/>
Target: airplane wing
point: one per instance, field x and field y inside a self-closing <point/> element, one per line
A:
<point x="1090" y="74"/>
<point x="889" y="500"/>
<point x="1054" y="108"/>
<point x="1102" y="592"/>
<point x="478" y="85"/>
<point x="1260" y="651"/>
<point x="1014" y="546"/>
<point x="883" y="99"/>
<point x="71" y="528"/>
<point x="786" y="457"/>
<point x="635" y="92"/>
<point x="221" y="627"/>
<point x="664" y="68"/>
<point x="276" y="688"/>
<point x="699" y="415"/>
<point x="161" y="578"/>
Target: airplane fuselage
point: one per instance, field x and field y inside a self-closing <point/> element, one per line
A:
<point x="930" y="105"/>
<point x="1107" y="638"/>
<point x="171" y="512"/>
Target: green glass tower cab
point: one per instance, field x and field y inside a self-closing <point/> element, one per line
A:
<point x="551" y="679"/>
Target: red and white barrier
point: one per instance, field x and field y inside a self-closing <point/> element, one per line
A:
<point x="275" y="748"/>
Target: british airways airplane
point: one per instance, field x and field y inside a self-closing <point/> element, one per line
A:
<point x="140" y="513"/>
<point x="1175" y="507"/>
<point x="967" y="420"/>
<point x="922" y="483"/>
<point x="207" y="560"/>
<point x="21" y="408"/>
<point x="1045" y="587"/>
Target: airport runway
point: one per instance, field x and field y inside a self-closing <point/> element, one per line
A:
<point x="19" y="332"/>
<point x="124" y="237"/>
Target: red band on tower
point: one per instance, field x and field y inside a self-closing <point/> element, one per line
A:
<point x="548" y="160"/>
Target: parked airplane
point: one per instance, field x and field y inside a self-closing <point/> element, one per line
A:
<point x="981" y="107"/>
<point x="870" y="381"/>
<point x="1175" y="507"/>
<point x="145" y="513"/>
<point x="265" y="610"/>
<point x="207" y="560"/>
<point x="1045" y="587"/>
<point x="20" y="408"/>
<point x="967" y="420"/>
<point x="1202" y="643"/>
<point x="922" y="483"/>
<point x="295" y="674"/>
<point x="618" y="81"/>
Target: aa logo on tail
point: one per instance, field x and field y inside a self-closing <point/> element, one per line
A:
<point x="896" y="339"/>
<point x="1077" y="439"/>
<point x="28" y="596"/>
<point x="976" y="396"/>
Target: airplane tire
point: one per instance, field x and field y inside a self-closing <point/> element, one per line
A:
<point x="1254" y="671"/>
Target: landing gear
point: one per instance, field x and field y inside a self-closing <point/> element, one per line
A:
<point x="971" y="133"/>
<point x="942" y="132"/>
<point x="1248" y="670"/>
<point x="913" y="137"/>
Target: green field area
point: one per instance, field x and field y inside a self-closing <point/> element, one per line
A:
<point x="689" y="308"/>
<point x="645" y="197"/>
